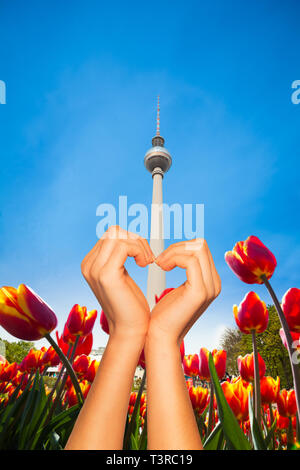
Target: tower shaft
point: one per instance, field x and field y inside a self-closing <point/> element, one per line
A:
<point x="157" y="161"/>
<point x="156" y="283"/>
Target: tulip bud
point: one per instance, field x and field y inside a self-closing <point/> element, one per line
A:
<point x="269" y="389"/>
<point x="219" y="358"/>
<point x="24" y="314"/>
<point x="80" y="322"/>
<point x="250" y="260"/>
<point x="246" y="366"/>
<point x="199" y="397"/>
<point x="251" y="314"/>
<point x="291" y="308"/>
<point x="236" y="395"/>
<point x="191" y="365"/>
<point x="286" y="403"/>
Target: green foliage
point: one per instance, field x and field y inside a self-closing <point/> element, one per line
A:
<point x="49" y="381"/>
<point x="16" y="351"/>
<point x="269" y="346"/>
<point x="23" y="421"/>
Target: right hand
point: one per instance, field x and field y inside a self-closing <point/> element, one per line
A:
<point x="174" y="315"/>
<point x="123" y="302"/>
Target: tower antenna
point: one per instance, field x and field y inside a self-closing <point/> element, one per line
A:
<point x="158" y="118"/>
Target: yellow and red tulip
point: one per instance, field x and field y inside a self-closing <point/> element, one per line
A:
<point x="191" y="365"/>
<point x="291" y="308"/>
<point x="269" y="389"/>
<point x="92" y="370"/>
<point x="219" y="358"/>
<point x="250" y="260"/>
<point x="246" y="367"/>
<point x="199" y="398"/>
<point x="80" y="322"/>
<point x="71" y="395"/>
<point x="32" y="361"/>
<point x="50" y="358"/>
<point x="8" y="372"/>
<point x="251" y="314"/>
<point x="81" y="364"/>
<point x="84" y="346"/>
<point x="24" y="314"/>
<point x="236" y="394"/>
<point x="286" y="403"/>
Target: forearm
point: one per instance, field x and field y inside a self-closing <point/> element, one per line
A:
<point x="101" y="422"/>
<point x="171" y="423"/>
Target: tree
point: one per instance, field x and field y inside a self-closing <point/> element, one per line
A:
<point x="16" y="351"/>
<point x="269" y="346"/>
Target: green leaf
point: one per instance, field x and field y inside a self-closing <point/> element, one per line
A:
<point x="143" y="438"/>
<point x="133" y="442"/>
<point x="257" y="436"/>
<point x="215" y="439"/>
<point x="271" y="433"/>
<point x="62" y="422"/>
<point x="234" y="436"/>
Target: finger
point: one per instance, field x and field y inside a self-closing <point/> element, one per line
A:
<point x="131" y="248"/>
<point x="178" y="258"/>
<point x="204" y="260"/>
<point x="134" y="236"/>
<point x="150" y="254"/>
<point x="216" y="277"/>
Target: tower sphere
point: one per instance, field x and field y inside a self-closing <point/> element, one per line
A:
<point x="158" y="157"/>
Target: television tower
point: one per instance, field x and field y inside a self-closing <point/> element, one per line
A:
<point x="158" y="161"/>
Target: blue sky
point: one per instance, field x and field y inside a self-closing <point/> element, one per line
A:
<point x="82" y="80"/>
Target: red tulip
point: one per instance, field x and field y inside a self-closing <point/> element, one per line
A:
<point x="295" y="337"/>
<point x="24" y="314"/>
<point x="9" y="372"/>
<point x="191" y="365"/>
<point x="269" y="389"/>
<point x="286" y="403"/>
<point x="92" y="370"/>
<point x="20" y="378"/>
<point x="251" y="314"/>
<point x="219" y="358"/>
<point x="291" y="308"/>
<point x="32" y="361"/>
<point x="84" y="346"/>
<point x="50" y="358"/>
<point x="199" y="397"/>
<point x="71" y="394"/>
<point x="81" y="364"/>
<point x="246" y="367"/>
<point x="282" y="421"/>
<point x="165" y="292"/>
<point x="80" y="322"/>
<point x="250" y="259"/>
<point x="104" y="323"/>
<point x="132" y="398"/>
<point x="236" y="394"/>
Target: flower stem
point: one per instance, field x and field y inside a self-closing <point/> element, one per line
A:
<point x="289" y="340"/>
<point x="211" y="408"/>
<point x="256" y="380"/>
<point x="68" y="366"/>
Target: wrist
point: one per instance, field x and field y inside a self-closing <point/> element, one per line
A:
<point x="127" y="339"/>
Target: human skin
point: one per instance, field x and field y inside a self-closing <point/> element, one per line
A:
<point x="170" y="417"/>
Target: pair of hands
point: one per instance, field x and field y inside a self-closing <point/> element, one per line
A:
<point x="124" y="303"/>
